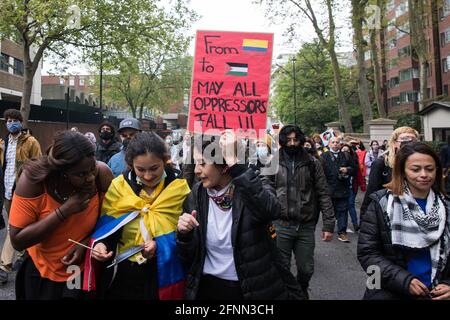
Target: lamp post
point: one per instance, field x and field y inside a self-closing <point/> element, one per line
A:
<point x="295" y="91"/>
<point x="67" y="102"/>
<point x="293" y="76"/>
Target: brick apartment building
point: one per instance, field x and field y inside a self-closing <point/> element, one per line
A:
<point x="400" y="71"/>
<point x="11" y="74"/>
<point x="80" y="89"/>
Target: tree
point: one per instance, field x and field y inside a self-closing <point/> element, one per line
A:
<point x="316" y="103"/>
<point x="379" y="69"/>
<point x="326" y="34"/>
<point x="51" y="26"/>
<point x="419" y="17"/>
<point x="154" y="83"/>
<point x="358" y="18"/>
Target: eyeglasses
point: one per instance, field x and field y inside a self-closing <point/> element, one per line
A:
<point x="406" y="139"/>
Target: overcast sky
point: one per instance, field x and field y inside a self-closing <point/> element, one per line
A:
<point x="242" y="15"/>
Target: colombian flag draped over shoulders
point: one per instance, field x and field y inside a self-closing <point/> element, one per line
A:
<point x="160" y="217"/>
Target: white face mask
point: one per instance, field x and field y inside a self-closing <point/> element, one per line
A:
<point x="262" y="152"/>
<point x="163" y="176"/>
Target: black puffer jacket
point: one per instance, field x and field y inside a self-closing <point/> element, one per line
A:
<point x="257" y="259"/>
<point x="375" y="249"/>
<point x="380" y="174"/>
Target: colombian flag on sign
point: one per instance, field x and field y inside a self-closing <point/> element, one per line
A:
<point x="255" y="45"/>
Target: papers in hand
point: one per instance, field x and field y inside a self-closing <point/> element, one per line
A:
<point x="125" y="255"/>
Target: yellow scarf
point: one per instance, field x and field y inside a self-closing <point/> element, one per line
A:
<point x="160" y="211"/>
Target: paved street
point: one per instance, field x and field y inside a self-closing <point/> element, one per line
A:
<point x="6" y="291"/>
<point x="338" y="275"/>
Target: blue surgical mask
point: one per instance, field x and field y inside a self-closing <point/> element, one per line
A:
<point x="163" y="176"/>
<point x="14" y="127"/>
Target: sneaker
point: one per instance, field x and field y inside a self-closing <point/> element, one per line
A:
<point x="356" y="227"/>
<point x="3" y="277"/>
<point x="343" y="237"/>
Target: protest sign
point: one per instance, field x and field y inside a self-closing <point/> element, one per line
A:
<point x="230" y="82"/>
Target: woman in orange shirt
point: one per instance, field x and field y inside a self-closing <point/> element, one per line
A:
<point x="57" y="198"/>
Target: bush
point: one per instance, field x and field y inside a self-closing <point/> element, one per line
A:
<point x="410" y="120"/>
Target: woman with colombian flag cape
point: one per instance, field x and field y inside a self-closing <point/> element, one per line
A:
<point x="134" y="255"/>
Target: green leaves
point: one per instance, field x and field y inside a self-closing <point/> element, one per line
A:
<point x="122" y="32"/>
<point x="316" y="98"/>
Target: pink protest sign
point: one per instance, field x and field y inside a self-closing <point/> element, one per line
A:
<point x="230" y="82"/>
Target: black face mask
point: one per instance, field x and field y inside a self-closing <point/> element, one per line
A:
<point x="292" y="150"/>
<point x="125" y="144"/>
<point x="105" y="135"/>
<point x="309" y="150"/>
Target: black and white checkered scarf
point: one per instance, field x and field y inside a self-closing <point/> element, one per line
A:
<point x="412" y="228"/>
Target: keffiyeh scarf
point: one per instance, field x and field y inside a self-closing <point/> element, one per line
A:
<point x="412" y="228"/>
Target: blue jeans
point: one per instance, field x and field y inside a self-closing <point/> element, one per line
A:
<point x="340" y="206"/>
<point x="300" y="240"/>
<point x="351" y="207"/>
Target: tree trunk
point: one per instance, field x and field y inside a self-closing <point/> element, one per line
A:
<point x="377" y="74"/>
<point x="417" y="15"/>
<point x="342" y="105"/>
<point x="383" y="88"/>
<point x="141" y="111"/>
<point x="423" y="83"/>
<point x="363" y="88"/>
<point x="133" y="108"/>
<point x="28" y="75"/>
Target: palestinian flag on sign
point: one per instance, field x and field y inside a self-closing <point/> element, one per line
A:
<point x="237" y="69"/>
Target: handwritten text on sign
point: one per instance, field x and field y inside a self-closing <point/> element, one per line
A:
<point x="230" y="84"/>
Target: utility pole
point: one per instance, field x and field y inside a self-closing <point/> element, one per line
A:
<point x="295" y="90"/>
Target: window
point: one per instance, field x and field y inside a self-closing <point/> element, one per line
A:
<point x="446" y="8"/>
<point x="367" y="55"/>
<point x="445" y="37"/>
<point x="409" y="74"/>
<point x="444" y="65"/>
<point x="395" y="101"/>
<point x="81" y="81"/>
<point x="403" y="30"/>
<point x="393" y="63"/>
<point x="71" y="82"/>
<point x="4" y="62"/>
<point x="394" y="82"/>
<point x="429" y="70"/>
<point x="409" y="97"/>
<point x="391" y="25"/>
<point x="18" y="67"/>
<point x="401" y="9"/>
<point x="404" y="52"/>
<point x="390" y="5"/>
<point x="392" y="44"/>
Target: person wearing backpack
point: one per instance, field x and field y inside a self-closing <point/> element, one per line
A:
<point x="302" y="190"/>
